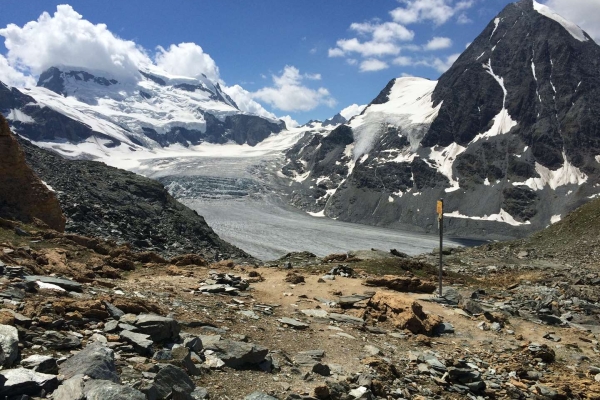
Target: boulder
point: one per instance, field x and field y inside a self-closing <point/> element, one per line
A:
<point x="9" y="343"/>
<point x="404" y="313"/>
<point x="239" y="354"/>
<point x="95" y="361"/>
<point x="168" y="377"/>
<point x="157" y="327"/>
<point x="22" y="381"/>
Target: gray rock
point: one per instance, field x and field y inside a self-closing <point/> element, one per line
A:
<point x="57" y="340"/>
<point x="346" y="319"/>
<point x="111" y="326"/>
<point x="71" y="389"/>
<point x="194" y="343"/>
<point x="9" y="342"/>
<point x="316" y="313"/>
<point x="239" y="354"/>
<point x="199" y="393"/>
<point x="182" y="358"/>
<point x="259" y="396"/>
<point x="444" y="328"/>
<point x="162" y="355"/>
<point x="141" y="343"/>
<point x="21" y="381"/>
<point x="159" y="328"/>
<point x="321" y="369"/>
<point x="40" y="363"/>
<point x="371" y="350"/>
<point x="95" y="361"/>
<point x="107" y="390"/>
<point x="66" y="284"/>
<point x="309" y="358"/>
<point x="114" y="312"/>
<point x="349" y="301"/>
<point x="293" y="323"/>
<point x="546" y="391"/>
<point x="167" y="378"/>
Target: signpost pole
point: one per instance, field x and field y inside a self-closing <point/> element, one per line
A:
<point x="440" y="210"/>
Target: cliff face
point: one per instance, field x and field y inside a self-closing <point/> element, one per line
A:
<point x="23" y="195"/>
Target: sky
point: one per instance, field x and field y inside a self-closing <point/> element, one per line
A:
<point x="296" y="60"/>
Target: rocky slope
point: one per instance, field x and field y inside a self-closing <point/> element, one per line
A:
<point x="84" y="114"/>
<point x="23" y="195"/>
<point x="326" y="329"/>
<point x="114" y="204"/>
<point x="507" y="136"/>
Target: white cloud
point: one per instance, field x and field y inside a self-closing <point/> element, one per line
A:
<point x="352" y="61"/>
<point x="67" y="39"/>
<point x="386" y="32"/>
<point x="335" y="52"/>
<point x="462" y="19"/>
<point x="372" y="64"/>
<point x="365" y="49"/>
<point x="12" y="77"/>
<point x="438" y="43"/>
<point x="289" y="94"/>
<point x="289" y="121"/>
<point x="585" y="13"/>
<point x="187" y="59"/>
<point x="244" y="101"/>
<point x="442" y="65"/>
<point x="352" y="110"/>
<point x="437" y="11"/>
<point x="403" y="61"/>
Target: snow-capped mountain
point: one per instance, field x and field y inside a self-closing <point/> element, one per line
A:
<point x="81" y="113"/>
<point x="509" y="136"/>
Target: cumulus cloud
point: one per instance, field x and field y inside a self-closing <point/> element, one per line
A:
<point x="403" y="61"/>
<point x="438" y="43"/>
<point x="385" y="32"/>
<point x="352" y="110"/>
<point x="65" y="38"/>
<point x="436" y="11"/>
<point x="443" y="64"/>
<point x="244" y="101"/>
<point x="12" y="77"/>
<point x="585" y="13"/>
<point x="290" y="94"/>
<point x="289" y="121"/>
<point x="372" y="64"/>
<point x="380" y="39"/>
<point x="187" y="59"/>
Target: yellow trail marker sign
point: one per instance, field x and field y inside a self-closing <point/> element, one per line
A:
<point x="440" y="208"/>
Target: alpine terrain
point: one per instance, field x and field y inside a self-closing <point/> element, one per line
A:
<point x="509" y="137"/>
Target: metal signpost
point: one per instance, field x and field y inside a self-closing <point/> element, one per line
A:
<point x="440" y="212"/>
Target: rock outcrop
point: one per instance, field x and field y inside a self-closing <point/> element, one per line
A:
<point x="23" y="195"/>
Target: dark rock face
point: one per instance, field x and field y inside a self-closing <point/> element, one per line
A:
<point x="23" y="195"/>
<point x="107" y="202"/>
<point x="512" y="143"/>
<point x="335" y="120"/>
<point x="95" y="361"/>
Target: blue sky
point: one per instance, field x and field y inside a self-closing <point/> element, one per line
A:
<point x="329" y="54"/>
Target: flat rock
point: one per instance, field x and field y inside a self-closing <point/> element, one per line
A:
<point x="108" y="390"/>
<point x="64" y="283"/>
<point x="58" y="341"/>
<point x="9" y="342"/>
<point x="293" y="323"/>
<point x="95" y="361"/>
<point x="41" y="363"/>
<point x="315" y="313"/>
<point x="22" y="381"/>
<point x="141" y="343"/>
<point x="346" y="319"/>
<point x="259" y="396"/>
<point x="348" y="301"/>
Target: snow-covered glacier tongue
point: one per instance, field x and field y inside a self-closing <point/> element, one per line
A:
<point x="507" y="136"/>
